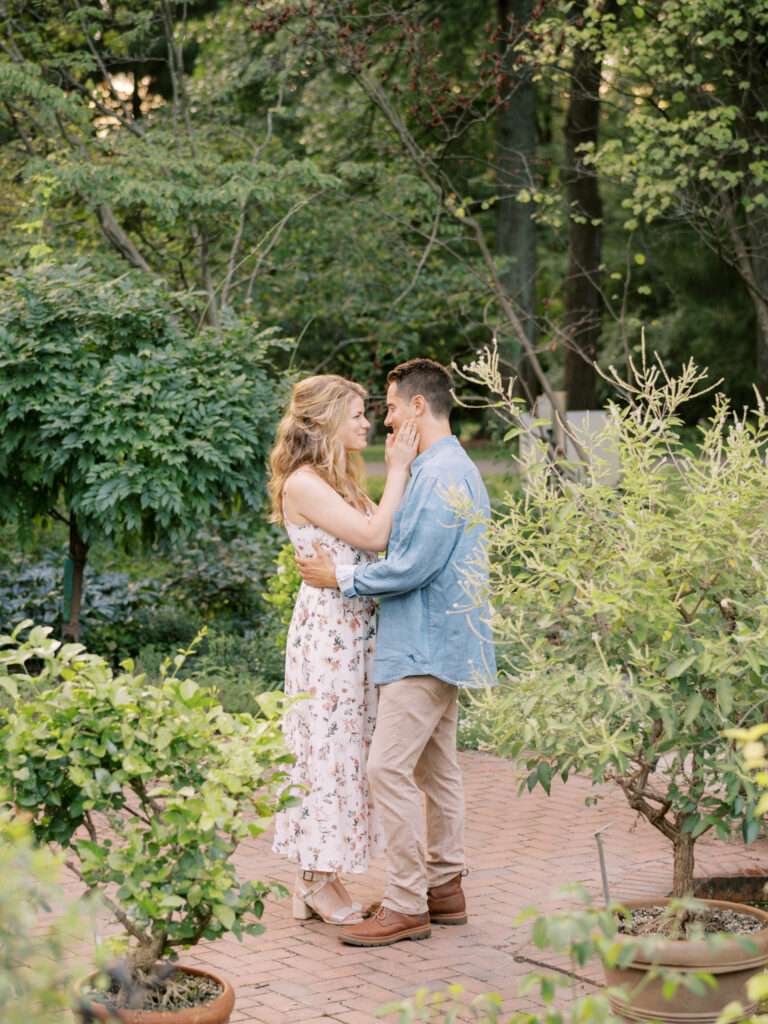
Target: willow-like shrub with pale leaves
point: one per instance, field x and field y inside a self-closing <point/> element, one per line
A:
<point x="632" y="622"/>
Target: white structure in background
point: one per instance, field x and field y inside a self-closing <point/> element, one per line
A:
<point x="591" y="428"/>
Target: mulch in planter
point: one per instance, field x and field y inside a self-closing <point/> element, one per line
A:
<point x="180" y="991"/>
<point x="658" y="921"/>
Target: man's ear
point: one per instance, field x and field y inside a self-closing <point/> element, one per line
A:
<point x="418" y="405"/>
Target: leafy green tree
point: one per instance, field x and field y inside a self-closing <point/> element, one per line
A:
<point x="227" y="153"/>
<point x="177" y="139"/>
<point x="111" y="410"/>
<point x="431" y="133"/>
<point x="178" y="180"/>
<point x="692" y="77"/>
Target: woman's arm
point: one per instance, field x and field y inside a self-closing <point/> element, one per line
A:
<point x="309" y="498"/>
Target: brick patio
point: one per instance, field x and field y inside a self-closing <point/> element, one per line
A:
<point x="519" y="850"/>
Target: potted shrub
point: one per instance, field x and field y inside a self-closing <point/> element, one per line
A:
<point x="148" y="789"/>
<point x="633" y="625"/>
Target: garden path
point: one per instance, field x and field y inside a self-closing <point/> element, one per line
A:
<point x="520" y="849"/>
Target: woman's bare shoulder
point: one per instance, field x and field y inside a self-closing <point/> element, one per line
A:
<point x="304" y="480"/>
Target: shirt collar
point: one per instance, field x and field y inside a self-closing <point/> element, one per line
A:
<point x="444" y="442"/>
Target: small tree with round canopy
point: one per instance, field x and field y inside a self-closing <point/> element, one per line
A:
<point x="115" y="413"/>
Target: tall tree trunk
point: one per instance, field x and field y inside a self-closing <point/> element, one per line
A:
<point x="758" y="235"/>
<point x="78" y="552"/>
<point x="756" y="215"/>
<point x="682" y="879"/>
<point x="515" y="158"/>
<point x="583" y="300"/>
<point x="749" y="247"/>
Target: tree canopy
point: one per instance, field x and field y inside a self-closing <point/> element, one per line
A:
<point x="379" y="180"/>
<point x="118" y="420"/>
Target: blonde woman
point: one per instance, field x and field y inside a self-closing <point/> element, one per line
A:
<point x="317" y="493"/>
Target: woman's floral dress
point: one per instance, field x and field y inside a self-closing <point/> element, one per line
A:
<point x="329" y="655"/>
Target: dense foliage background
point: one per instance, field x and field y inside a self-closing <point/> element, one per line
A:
<point x="185" y="182"/>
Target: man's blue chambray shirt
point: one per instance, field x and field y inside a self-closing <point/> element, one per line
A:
<point x="430" y="623"/>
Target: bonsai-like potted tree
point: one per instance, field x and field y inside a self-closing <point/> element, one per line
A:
<point x="148" y="788"/>
<point x="633" y="621"/>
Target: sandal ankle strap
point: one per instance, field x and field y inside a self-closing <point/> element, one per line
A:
<point x="325" y="876"/>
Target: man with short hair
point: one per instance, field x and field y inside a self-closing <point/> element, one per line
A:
<point x="433" y="638"/>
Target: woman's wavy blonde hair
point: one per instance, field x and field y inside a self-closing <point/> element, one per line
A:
<point x="308" y="435"/>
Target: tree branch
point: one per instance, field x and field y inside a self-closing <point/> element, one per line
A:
<point x="119" y="239"/>
<point x="233" y="253"/>
<point x="424" y="256"/>
<point x="120" y="914"/>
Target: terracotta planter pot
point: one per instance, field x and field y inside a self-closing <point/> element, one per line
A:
<point x="218" y="1011"/>
<point x="730" y="963"/>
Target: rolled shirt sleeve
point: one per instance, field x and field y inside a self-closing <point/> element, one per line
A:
<point x="345" y="578"/>
<point x="422" y="546"/>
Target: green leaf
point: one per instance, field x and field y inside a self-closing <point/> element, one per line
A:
<point x="540" y="933"/>
<point x="669" y="987"/>
<point x="694" y="706"/>
<point x="757" y="988"/>
<point x="724" y="690"/>
<point x="224" y="914"/>
<point x="750" y="829"/>
<point x="188" y="689"/>
<point x="679" y="665"/>
<point x="8" y="683"/>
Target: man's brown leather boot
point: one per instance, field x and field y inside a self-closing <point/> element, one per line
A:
<point x="386" y="926"/>
<point x="446" y="903"/>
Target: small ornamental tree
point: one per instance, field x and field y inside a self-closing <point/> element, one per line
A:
<point x="148" y="789"/>
<point x="115" y="413"/>
<point x="633" y="621"/>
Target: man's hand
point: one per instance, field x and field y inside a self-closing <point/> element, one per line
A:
<point x="318" y="571"/>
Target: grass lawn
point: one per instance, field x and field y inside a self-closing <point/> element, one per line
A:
<point x="500" y="486"/>
<point x="484" y="450"/>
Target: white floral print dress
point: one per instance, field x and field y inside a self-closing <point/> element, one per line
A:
<point x="329" y="655"/>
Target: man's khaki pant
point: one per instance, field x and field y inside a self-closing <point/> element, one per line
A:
<point x="412" y="757"/>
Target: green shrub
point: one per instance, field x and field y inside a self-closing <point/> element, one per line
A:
<point x="282" y="588"/>
<point x="119" y="613"/>
<point x="217" y="578"/>
<point x="634" y="620"/>
<point x="581" y="935"/>
<point x="90" y="753"/>
<point x="220" y="573"/>
<point x="36" y="975"/>
<point x="238" y="668"/>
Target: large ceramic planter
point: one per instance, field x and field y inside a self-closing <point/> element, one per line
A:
<point x="731" y="964"/>
<point x="217" y="1011"/>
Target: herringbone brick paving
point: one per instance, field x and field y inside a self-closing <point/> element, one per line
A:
<point x="519" y="850"/>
